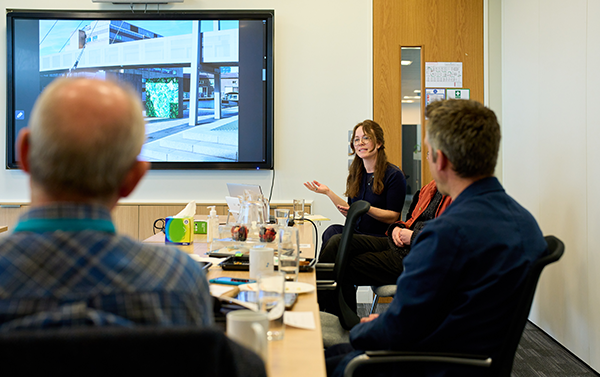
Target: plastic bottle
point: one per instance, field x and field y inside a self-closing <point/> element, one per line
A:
<point x="212" y="226"/>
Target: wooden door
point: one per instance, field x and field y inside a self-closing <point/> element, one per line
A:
<point x="446" y="31"/>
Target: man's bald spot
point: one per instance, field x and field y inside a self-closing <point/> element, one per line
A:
<point x="85" y="108"/>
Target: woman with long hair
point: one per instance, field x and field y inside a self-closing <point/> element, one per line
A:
<point x="372" y="178"/>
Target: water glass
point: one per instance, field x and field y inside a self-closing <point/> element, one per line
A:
<point x="282" y="216"/>
<point x="289" y="252"/>
<point x="298" y="209"/>
<point x="271" y="300"/>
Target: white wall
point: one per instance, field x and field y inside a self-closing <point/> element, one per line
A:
<point x="551" y="162"/>
<point x="323" y="87"/>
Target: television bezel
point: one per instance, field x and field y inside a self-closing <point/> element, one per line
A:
<point x="193" y="14"/>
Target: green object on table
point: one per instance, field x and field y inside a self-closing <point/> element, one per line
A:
<point x="200" y="227"/>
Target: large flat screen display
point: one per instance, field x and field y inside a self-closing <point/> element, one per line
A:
<point x="205" y="78"/>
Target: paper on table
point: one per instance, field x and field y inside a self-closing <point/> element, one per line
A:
<point x="212" y="260"/>
<point x="302" y="320"/>
<point x="218" y="290"/>
<point x="316" y="217"/>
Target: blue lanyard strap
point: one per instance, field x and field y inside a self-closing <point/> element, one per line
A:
<point x="73" y="225"/>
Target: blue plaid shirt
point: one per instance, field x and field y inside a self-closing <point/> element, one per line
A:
<point x="65" y="266"/>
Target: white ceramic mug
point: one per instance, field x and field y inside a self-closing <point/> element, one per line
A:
<point x="261" y="261"/>
<point x="249" y="328"/>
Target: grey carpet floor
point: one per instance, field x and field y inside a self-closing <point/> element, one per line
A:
<point x="538" y="354"/>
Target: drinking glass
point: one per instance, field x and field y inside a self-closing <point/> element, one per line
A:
<point x="289" y="252"/>
<point x="298" y="209"/>
<point x="271" y="300"/>
<point x="282" y="216"/>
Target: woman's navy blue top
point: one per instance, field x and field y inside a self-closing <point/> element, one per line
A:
<point x="392" y="198"/>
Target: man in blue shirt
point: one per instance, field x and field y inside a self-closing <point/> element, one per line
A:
<point x="467" y="266"/>
<point x="64" y="264"/>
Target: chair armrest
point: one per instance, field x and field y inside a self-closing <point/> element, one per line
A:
<point x="381" y="357"/>
<point x="324" y="267"/>
<point x="326" y="285"/>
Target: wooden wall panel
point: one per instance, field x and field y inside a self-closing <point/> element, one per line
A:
<point x="136" y="219"/>
<point x="446" y="30"/>
<point x="149" y="214"/>
<point x="9" y="214"/>
<point x="126" y="219"/>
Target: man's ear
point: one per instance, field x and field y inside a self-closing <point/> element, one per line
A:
<point x="23" y="149"/>
<point x="133" y="177"/>
<point x="442" y="161"/>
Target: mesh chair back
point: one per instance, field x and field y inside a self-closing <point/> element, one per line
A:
<point x="502" y="365"/>
<point x="348" y="317"/>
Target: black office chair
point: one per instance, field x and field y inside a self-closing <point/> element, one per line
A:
<point x="117" y="351"/>
<point x="500" y="366"/>
<point x="335" y="327"/>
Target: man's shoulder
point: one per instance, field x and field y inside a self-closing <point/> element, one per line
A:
<point x="26" y="245"/>
<point x="154" y="250"/>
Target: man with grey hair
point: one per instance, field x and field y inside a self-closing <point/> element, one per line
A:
<point x="64" y="264"/>
<point x="466" y="268"/>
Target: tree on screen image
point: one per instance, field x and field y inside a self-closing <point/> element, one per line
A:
<point x="162" y="97"/>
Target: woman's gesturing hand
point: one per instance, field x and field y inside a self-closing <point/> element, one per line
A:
<point x="316" y="187"/>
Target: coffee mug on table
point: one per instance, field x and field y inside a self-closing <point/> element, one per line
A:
<point x="249" y="328"/>
<point x="261" y="261"/>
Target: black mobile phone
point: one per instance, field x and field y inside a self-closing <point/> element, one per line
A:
<point x="231" y="281"/>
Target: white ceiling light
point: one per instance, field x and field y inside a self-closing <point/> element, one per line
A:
<point x="406" y="62"/>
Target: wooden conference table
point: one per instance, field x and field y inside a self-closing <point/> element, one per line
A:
<point x="300" y="353"/>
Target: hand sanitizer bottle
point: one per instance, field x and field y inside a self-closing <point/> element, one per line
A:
<point x="212" y="225"/>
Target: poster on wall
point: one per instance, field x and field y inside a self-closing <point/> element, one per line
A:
<point x="458" y="93"/>
<point x="434" y="94"/>
<point x="443" y="74"/>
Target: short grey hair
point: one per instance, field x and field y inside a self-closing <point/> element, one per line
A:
<point x="96" y="164"/>
<point x="468" y="134"/>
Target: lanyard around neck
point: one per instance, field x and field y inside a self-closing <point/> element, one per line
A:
<point x="67" y="225"/>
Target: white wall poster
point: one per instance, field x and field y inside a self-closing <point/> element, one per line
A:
<point x="443" y="75"/>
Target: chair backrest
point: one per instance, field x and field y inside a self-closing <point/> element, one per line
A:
<point x="413" y="205"/>
<point x="117" y="351"/>
<point x="502" y="365"/>
<point x="348" y="317"/>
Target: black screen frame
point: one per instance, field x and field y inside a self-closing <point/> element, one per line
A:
<point x="268" y="121"/>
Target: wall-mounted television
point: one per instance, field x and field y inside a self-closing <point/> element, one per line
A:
<point x="205" y="78"/>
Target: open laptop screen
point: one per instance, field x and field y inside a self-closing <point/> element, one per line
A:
<point x="237" y="189"/>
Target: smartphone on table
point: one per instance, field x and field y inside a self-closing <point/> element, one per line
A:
<point x="231" y="281"/>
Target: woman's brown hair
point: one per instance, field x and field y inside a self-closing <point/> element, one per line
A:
<point x="357" y="169"/>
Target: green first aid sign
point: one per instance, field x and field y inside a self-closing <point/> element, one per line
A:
<point x="458" y="93"/>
